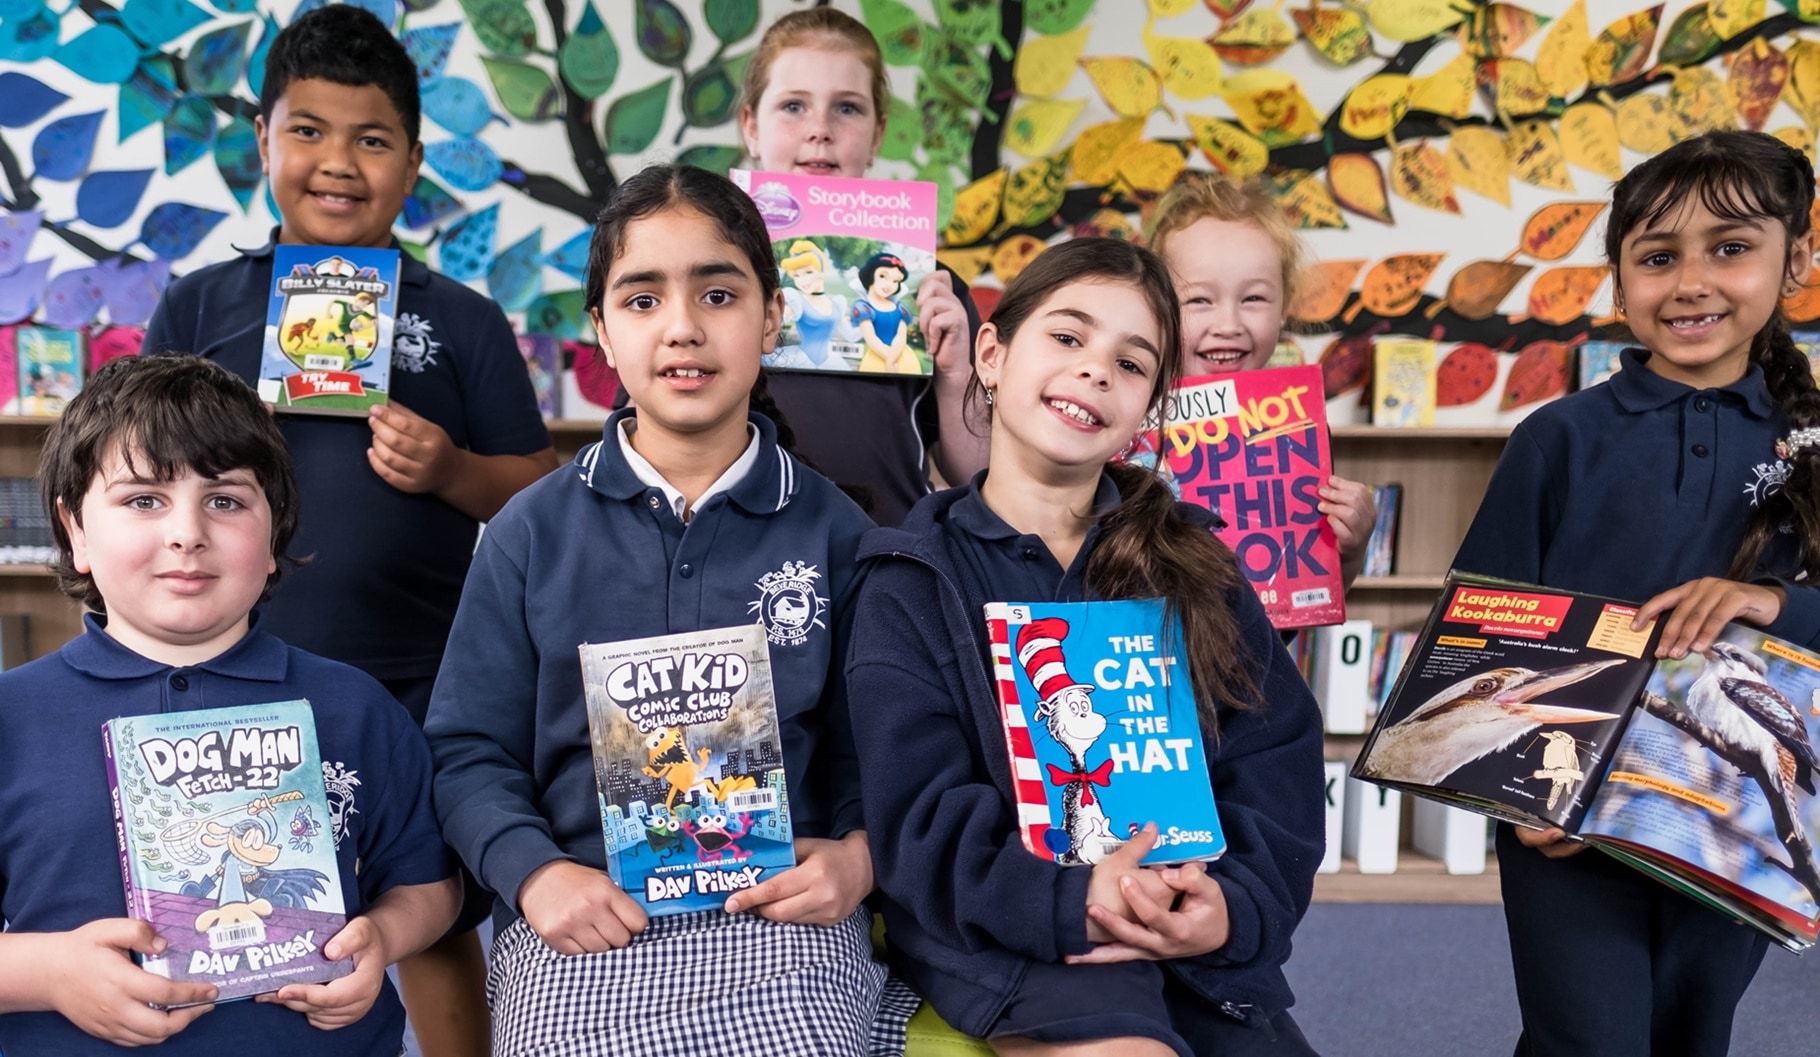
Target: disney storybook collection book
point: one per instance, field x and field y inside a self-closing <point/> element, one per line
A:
<point x="227" y="845"/>
<point x="328" y="333"/>
<point x="1102" y="730"/>
<point x="851" y="254"/>
<point x="1543" y="708"/>
<point x="690" y="765"/>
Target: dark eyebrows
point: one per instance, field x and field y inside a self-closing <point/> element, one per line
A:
<point x="1724" y="228"/>
<point x="704" y="270"/>
<point x="1088" y="321"/>
<point x="368" y="126"/>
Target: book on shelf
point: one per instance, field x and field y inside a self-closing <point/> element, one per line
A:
<point x="1599" y="360"/>
<point x="329" y="343"/>
<point x="107" y="344"/>
<point x="1403" y="383"/>
<point x="25" y="526"/>
<point x="543" y="362"/>
<point x="15" y="640"/>
<point x="49" y="372"/>
<point x="1543" y="708"/>
<point x="1454" y="836"/>
<point x="1373" y="826"/>
<point x="1381" y="545"/>
<point x="1335" y="779"/>
<point x="1340" y="675"/>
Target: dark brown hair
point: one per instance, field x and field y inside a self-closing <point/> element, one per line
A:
<point x="349" y="46"/>
<point x="1745" y="177"/>
<point x="167" y="414"/>
<point x="1146" y="547"/>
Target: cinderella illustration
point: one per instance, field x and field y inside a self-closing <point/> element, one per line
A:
<point x="820" y="318"/>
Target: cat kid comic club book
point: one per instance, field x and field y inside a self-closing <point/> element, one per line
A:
<point x="690" y="765"/>
<point x="227" y="845"/>
<point x="1102" y="730"/>
<point x="328" y="334"/>
<point x="851" y="254"/>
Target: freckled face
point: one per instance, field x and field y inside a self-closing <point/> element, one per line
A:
<point x="816" y="115"/>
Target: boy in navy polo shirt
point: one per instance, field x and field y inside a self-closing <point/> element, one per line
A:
<point x="394" y="502"/>
<point x="174" y="502"/>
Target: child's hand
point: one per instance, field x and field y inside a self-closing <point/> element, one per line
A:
<point x="943" y="321"/>
<point x="576" y="909"/>
<point x="1701" y="609"/>
<point x="409" y="452"/>
<point x="1197" y="925"/>
<point x="91" y="980"/>
<point x="1106" y="888"/>
<point x="1550" y="842"/>
<point x="1352" y="512"/>
<point x="828" y="882"/>
<point x="339" y="1003"/>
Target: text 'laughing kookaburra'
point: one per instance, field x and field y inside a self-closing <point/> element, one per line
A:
<point x="1753" y="718"/>
<point x="1475" y="717"/>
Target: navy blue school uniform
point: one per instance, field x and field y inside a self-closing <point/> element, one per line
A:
<point x="978" y="925"/>
<point x="60" y="865"/>
<point x="1628" y="489"/>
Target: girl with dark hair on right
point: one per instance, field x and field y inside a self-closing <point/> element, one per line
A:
<point x="1691" y="478"/>
<point x="1033" y="956"/>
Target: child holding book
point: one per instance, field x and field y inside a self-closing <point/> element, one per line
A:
<point x="173" y="504"/>
<point x="1027" y="953"/>
<point x="1235" y="258"/>
<point x="676" y="520"/>
<point x="1691" y="478"/>
<point x="814" y="101"/>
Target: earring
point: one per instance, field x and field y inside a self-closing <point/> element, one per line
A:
<point x="988" y="398"/>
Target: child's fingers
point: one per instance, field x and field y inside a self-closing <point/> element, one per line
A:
<point x="1539" y="838"/>
<point x="1107" y="953"/>
<point x="1685" y="623"/>
<point x="805" y="908"/>
<point x="1129" y="932"/>
<point x="1136" y="848"/>
<point x="609" y="934"/>
<point x="1149" y="911"/>
<point x="783" y="886"/>
<point x="1658" y="605"/>
<point x="631" y="916"/>
<point x="150" y="989"/>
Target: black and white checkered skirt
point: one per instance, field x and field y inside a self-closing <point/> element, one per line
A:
<point x="707" y="982"/>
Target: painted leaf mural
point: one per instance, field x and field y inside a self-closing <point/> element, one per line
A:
<point x="1622" y="50"/>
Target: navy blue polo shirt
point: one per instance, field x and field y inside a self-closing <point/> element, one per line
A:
<point x="592" y="554"/>
<point x="60" y="865"/>
<point x="1014" y="566"/>
<point x="1635" y="486"/>
<point x="387" y="568"/>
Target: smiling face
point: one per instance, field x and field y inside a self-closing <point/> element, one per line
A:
<point x="1696" y="289"/>
<point x="816" y="115"/>
<point x="339" y="161"/>
<point x="1229" y="277"/>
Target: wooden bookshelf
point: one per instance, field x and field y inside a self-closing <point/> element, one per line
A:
<point x="1418" y="879"/>
<point x="32" y="589"/>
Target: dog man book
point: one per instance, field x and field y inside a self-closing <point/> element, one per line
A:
<point x="226" y="844"/>
<point x="1102" y="730"/>
<point x="328" y="334"/>
<point x="851" y="254"/>
<point x="1543" y="708"/>
<point x="690" y="765"/>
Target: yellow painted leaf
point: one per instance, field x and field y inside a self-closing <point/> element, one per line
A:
<point x="1014" y="254"/>
<point x="1129" y="87"/>
<point x="1478" y="162"/>
<point x="1095" y="155"/>
<point x="1037" y="126"/>
<point x="1447" y="91"/>
<point x="1046" y="64"/>
<point x="1797" y="137"/>
<point x="1553" y="231"/>
<point x="1419" y="173"/>
<point x="1732" y="17"/>
<point x="1758" y="75"/>
<point x="1807" y="10"/>
<point x="1189" y="68"/>
<point x="1305" y="200"/>
<point x="1151" y="166"/>
<point x="1271" y="105"/>
<point x="976" y="206"/>
<point x="1338" y="34"/>
<point x="1230" y="148"/>
<point x="1497" y="30"/>
<point x="1373" y="108"/>
<point x="1394" y="284"/>
<point x="1647" y="124"/>
<point x="1561" y="62"/>
<point x="1171" y="8"/>
<point x="1536" y="157"/>
<point x="1253" y="38"/>
<point x="1411" y="20"/>
<point x="1322" y="289"/>
<point x="1700" y="101"/>
<point x="1033" y="194"/>
<point x="1560" y="295"/>
<point x="1358" y="186"/>
<point x="1804" y="80"/>
<point x="1622" y="50"/>
<point x="1475" y="291"/>
<point x="968" y="264"/>
<point x="1515" y="85"/>
<point x="1589" y="138"/>
<point x="1106" y="224"/>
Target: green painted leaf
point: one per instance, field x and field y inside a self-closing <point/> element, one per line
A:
<point x="503" y="26"/>
<point x="903" y="132"/>
<point x="942" y="176"/>
<point x="899" y="31"/>
<point x="527" y="92"/>
<point x="713" y="158"/>
<point x="959" y="67"/>
<point x="663" y="32"/>
<point x="709" y="95"/>
<point x="972" y="21"/>
<point x="634" y="119"/>
<point x="730" y="20"/>
<point x="589" y="59"/>
<point x="1055" y="16"/>
<point x="947" y="126"/>
<point x="1691" y="40"/>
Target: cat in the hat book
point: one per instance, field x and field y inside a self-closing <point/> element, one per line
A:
<point x="1102" y="730"/>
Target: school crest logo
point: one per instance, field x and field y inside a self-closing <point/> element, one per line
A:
<point x="788" y="605"/>
<point x="1768" y="479"/>
<point x="412" y="347"/>
<point x="340" y="783"/>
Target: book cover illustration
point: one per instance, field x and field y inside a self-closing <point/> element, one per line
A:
<point x="1599" y="360"/>
<point x="49" y="367"/>
<point x="1381" y="545"/>
<point x="1403" y="383"/>
<point x="1253" y="447"/>
<point x="227" y="844"/>
<point x="689" y="763"/>
<point x="1102" y="730"/>
<point x="328" y="334"/>
<point x="851" y="254"/>
<point x="543" y="362"/>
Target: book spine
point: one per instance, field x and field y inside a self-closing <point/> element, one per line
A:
<point x="1374" y="817"/>
<point x="1455" y="837"/>
<point x="1026" y="777"/>
<point x="1336" y="815"/>
<point x="1343" y="676"/>
<point x="134" y="907"/>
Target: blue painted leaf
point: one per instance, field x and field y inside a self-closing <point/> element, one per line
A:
<point x="72" y="299"/>
<point x="217" y="59"/>
<point x="237" y="157"/>
<point x="132" y="288"/>
<point x="24" y="99"/>
<point x="62" y="148"/>
<point x="189" y="132"/>
<point x="28" y="39"/>
<point x="234" y="7"/>
<point x="16" y="233"/>
<point x="11" y="9"/>
<point x="103" y="54"/>
<point x="429" y="48"/>
<point x="107" y="199"/>
<point x="467" y="250"/>
<point x="157" y="22"/>
<point x="386" y="11"/>
<point x="427" y="204"/>
<point x="457" y="104"/>
<point x="175" y="229"/>
<point x="563" y="314"/>
<point x="255" y="66"/>
<point x="516" y="276"/>
<point x="148" y="96"/>
<point x="571" y="258"/>
<point x="589" y="60"/>
<point x="21" y="291"/>
<point x="466" y="164"/>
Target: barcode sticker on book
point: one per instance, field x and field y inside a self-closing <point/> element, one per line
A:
<point x="850" y="349"/>
<point x="1318" y="596"/>
<point x="240" y="934"/>
<point x="753" y="800"/>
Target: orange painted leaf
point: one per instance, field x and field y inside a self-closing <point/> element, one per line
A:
<point x="1476" y="290"/>
<point x="1253" y="38"/>
<point x="1358" y="186"/>
<point x="1419" y="173"/>
<point x="1394" y="284"/>
<point x="1554" y="230"/>
<point x="1804" y="306"/>
<point x="1346" y="365"/>
<point x="1465" y="374"/>
<point x="1758" y="75"/>
<point x="1497" y="30"/>
<point x="1560" y="295"/>
<point x="1539" y="374"/>
<point x="1622" y="50"/>
<point x="1322" y="289"/>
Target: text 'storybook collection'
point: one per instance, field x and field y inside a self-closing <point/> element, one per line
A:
<point x="328" y="333"/>
<point x="690" y="766"/>
<point x="851" y="254"/>
<point x="227" y="844"/>
<point x="1102" y="730"/>
<point x="1544" y="708"/>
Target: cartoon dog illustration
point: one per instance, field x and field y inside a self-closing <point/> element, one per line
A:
<point x="669" y="758"/>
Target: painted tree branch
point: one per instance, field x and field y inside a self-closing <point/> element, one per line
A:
<point x="585" y="145"/>
<point x="21" y="197"/>
<point x="989" y="135"/>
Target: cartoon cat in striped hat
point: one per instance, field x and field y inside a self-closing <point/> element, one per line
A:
<point x="1066" y="711"/>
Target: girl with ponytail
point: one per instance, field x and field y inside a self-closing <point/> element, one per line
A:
<point x="1115" y="958"/>
<point x="1692" y="479"/>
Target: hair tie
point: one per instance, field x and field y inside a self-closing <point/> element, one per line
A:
<point x="1795" y="441"/>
